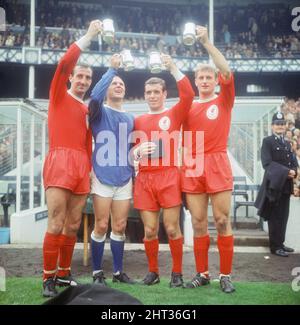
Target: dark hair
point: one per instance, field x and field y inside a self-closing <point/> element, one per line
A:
<point x="82" y="65"/>
<point x="155" y="81"/>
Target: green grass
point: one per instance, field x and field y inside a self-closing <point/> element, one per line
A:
<point x="27" y="291"/>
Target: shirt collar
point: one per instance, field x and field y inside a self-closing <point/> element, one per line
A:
<point x="75" y="97"/>
<point x="207" y="99"/>
<point x="116" y="109"/>
<point x="279" y="136"/>
<point x="158" y="112"/>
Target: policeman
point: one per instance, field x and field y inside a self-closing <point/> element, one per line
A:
<point x="273" y="199"/>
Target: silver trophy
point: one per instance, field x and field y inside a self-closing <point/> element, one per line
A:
<point x="127" y="60"/>
<point x="155" y="63"/>
<point x="189" y="34"/>
<point x="108" y="33"/>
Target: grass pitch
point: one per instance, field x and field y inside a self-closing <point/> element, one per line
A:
<point x="27" y="291"/>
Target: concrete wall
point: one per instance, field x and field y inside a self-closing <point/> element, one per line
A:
<point x="29" y="226"/>
<point x="293" y="227"/>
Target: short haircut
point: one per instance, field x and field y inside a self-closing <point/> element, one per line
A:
<point x="206" y="67"/>
<point x="155" y="81"/>
<point x="117" y="76"/>
<point x="82" y="65"/>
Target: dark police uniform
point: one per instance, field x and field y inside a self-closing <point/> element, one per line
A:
<point x="273" y="199"/>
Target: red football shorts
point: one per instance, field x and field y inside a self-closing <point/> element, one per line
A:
<point x="216" y="176"/>
<point x="157" y="189"/>
<point x="67" y="168"/>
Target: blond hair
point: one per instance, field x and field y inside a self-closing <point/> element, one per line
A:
<point x="206" y="67"/>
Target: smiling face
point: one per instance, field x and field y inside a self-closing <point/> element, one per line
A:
<point x="155" y="96"/>
<point x="116" y="90"/>
<point x="279" y="127"/>
<point x="206" y="82"/>
<point x="80" y="79"/>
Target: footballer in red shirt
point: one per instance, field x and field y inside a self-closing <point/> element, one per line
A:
<point x="67" y="165"/>
<point x="210" y="116"/>
<point x="157" y="184"/>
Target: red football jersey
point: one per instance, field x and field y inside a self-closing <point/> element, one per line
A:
<point x="213" y="118"/>
<point x="164" y="126"/>
<point x="67" y="115"/>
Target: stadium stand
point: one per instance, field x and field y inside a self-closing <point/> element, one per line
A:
<point x="241" y="31"/>
<point x="291" y="110"/>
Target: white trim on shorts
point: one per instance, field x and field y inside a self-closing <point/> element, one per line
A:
<point x="115" y="192"/>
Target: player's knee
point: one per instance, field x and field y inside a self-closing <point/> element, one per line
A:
<point x="222" y="224"/>
<point x="200" y="226"/>
<point x="55" y="227"/>
<point x="150" y="233"/>
<point x="72" y="228"/>
<point x="119" y="227"/>
<point x="101" y="227"/>
<point x="172" y="231"/>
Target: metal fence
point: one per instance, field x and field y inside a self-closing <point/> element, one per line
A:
<point x="245" y="142"/>
<point x="23" y="146"/>
<point x="7" y="148"/>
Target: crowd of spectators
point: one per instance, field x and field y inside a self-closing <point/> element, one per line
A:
<point x="241" y="138"/>
<point x="291" y="110"/>
<point x="240" y="31"/>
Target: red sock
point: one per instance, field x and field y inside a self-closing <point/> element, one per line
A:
<point x="225" y="246"/>
<point x="201" y="246"/>
<point x="67" y="244"/>
<point x="151" y="249"/>
<point x="176" y="248"/>
<point x="50" y="254"/>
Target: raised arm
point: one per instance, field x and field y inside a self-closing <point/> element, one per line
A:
<point x="99" y="91"/>
<point x="217" y="57"/>
<point x="185" y="89"/>
<point x="68" y="62"/>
